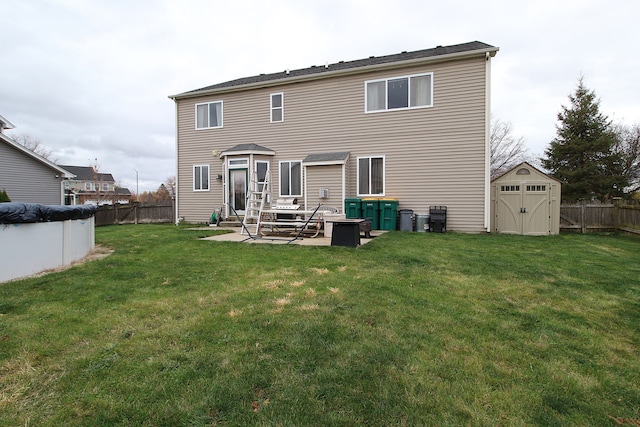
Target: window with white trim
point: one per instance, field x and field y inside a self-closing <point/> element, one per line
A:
<point x="261" y="168"/>
<point x="277" y="107"/>
<point x="415" y="91"/>
<point x="201" y="178"/>
<point x="209" y="115"/>
<point x="371" y="176"/>
<point x="291" y="178"/>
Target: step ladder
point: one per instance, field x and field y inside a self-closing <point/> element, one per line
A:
<point x="258" y="196"/>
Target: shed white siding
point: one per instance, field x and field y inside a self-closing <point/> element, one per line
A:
<point x="525" y="201"/>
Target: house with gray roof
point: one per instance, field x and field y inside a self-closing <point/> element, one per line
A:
<point x="26" y="176"/>
<point x="89" y="186"/>
<point x="411" y="126"/>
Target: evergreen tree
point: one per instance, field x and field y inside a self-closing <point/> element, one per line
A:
<point x="582" y="154"/>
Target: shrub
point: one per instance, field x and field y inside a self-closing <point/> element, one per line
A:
<point x="4" y="197"/>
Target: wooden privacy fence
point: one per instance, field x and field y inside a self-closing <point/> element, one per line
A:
<point x="135" y="213"/>
<point x="587" y="218"/>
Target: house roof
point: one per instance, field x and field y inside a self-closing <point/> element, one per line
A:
<point x="121" y="191"/>
<point x="65" y="173"/>
<point x="86" y="173"/>
<point x="5" y="124"/>
<point x="327" y="158"/>
<point x="248" y="149"/>
<point x="439" y="52"/>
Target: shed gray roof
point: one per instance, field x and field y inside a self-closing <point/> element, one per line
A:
<point x="346" y="65"/>
<point x="336" y="157"/>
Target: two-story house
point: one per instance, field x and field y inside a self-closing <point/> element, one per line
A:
<point x="413" y="126"/>
<point x="25" y="175"/>
<point x="92" y="187"/>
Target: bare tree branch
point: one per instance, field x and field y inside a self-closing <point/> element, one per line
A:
<point x="34" y="145"/>
<point x="506" y="150"/>
<point x="628" y="147"/>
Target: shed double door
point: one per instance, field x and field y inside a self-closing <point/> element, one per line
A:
<point x="523" y="208"/>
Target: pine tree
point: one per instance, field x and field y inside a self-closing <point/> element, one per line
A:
<point x="582" y="154"/>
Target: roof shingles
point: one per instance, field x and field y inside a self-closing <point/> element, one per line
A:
<point x="346" y="65"/>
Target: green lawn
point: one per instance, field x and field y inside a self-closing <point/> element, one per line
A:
<point x="410" y="329"/>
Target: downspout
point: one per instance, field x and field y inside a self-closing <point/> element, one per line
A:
<point x="344" y="184"/>
<point x="487" y="143"/>
<point x="177" y="218"/>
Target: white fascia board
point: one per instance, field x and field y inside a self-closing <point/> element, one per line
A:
<point x="246" y="153"/>
<point x="325" y="163"/>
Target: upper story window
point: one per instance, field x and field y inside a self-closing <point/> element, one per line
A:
<point x="414" y="91"/>
<point x="105" y="186"/>
<point x="201" y="178"/>
<point x="370" y="176"/>
<point x="277" y="107"/>
<point x="209" y="115"/>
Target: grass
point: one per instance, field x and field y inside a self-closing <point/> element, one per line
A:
<point x="410" y="329"/>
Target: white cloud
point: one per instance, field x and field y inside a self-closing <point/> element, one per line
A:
<point x="91" y="79"/>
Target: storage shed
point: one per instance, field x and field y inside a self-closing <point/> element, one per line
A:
<point x="525" y="201"/>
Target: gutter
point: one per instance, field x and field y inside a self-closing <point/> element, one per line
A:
<point x="487" y="136"/>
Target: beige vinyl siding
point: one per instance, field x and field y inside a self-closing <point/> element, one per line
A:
<point x="433" y="156"/>
<point x="325" y="176"/>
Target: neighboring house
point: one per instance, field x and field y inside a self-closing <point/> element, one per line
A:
<point x="92" y="187"/>
<point x="26" y="176"/>
<point x="413" y="126"/>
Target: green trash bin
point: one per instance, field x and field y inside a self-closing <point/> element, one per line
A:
<point x="388" y="214"/>
<point x="371" y="211"/>
<point x="353" y="208"/>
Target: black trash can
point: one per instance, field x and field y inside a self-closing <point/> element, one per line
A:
<point x="406" y="220"/>
<point x="438" y="219"/>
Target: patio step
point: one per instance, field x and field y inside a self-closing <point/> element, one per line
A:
<point x="230" y="223"/>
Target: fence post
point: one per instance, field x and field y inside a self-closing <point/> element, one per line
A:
<point x="135" y="211"/>
<point x="583" y="224"/>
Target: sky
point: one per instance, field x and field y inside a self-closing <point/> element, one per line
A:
<point x="91" y="79"/>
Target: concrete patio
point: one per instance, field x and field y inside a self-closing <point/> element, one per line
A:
<point x="234" y="235"/>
